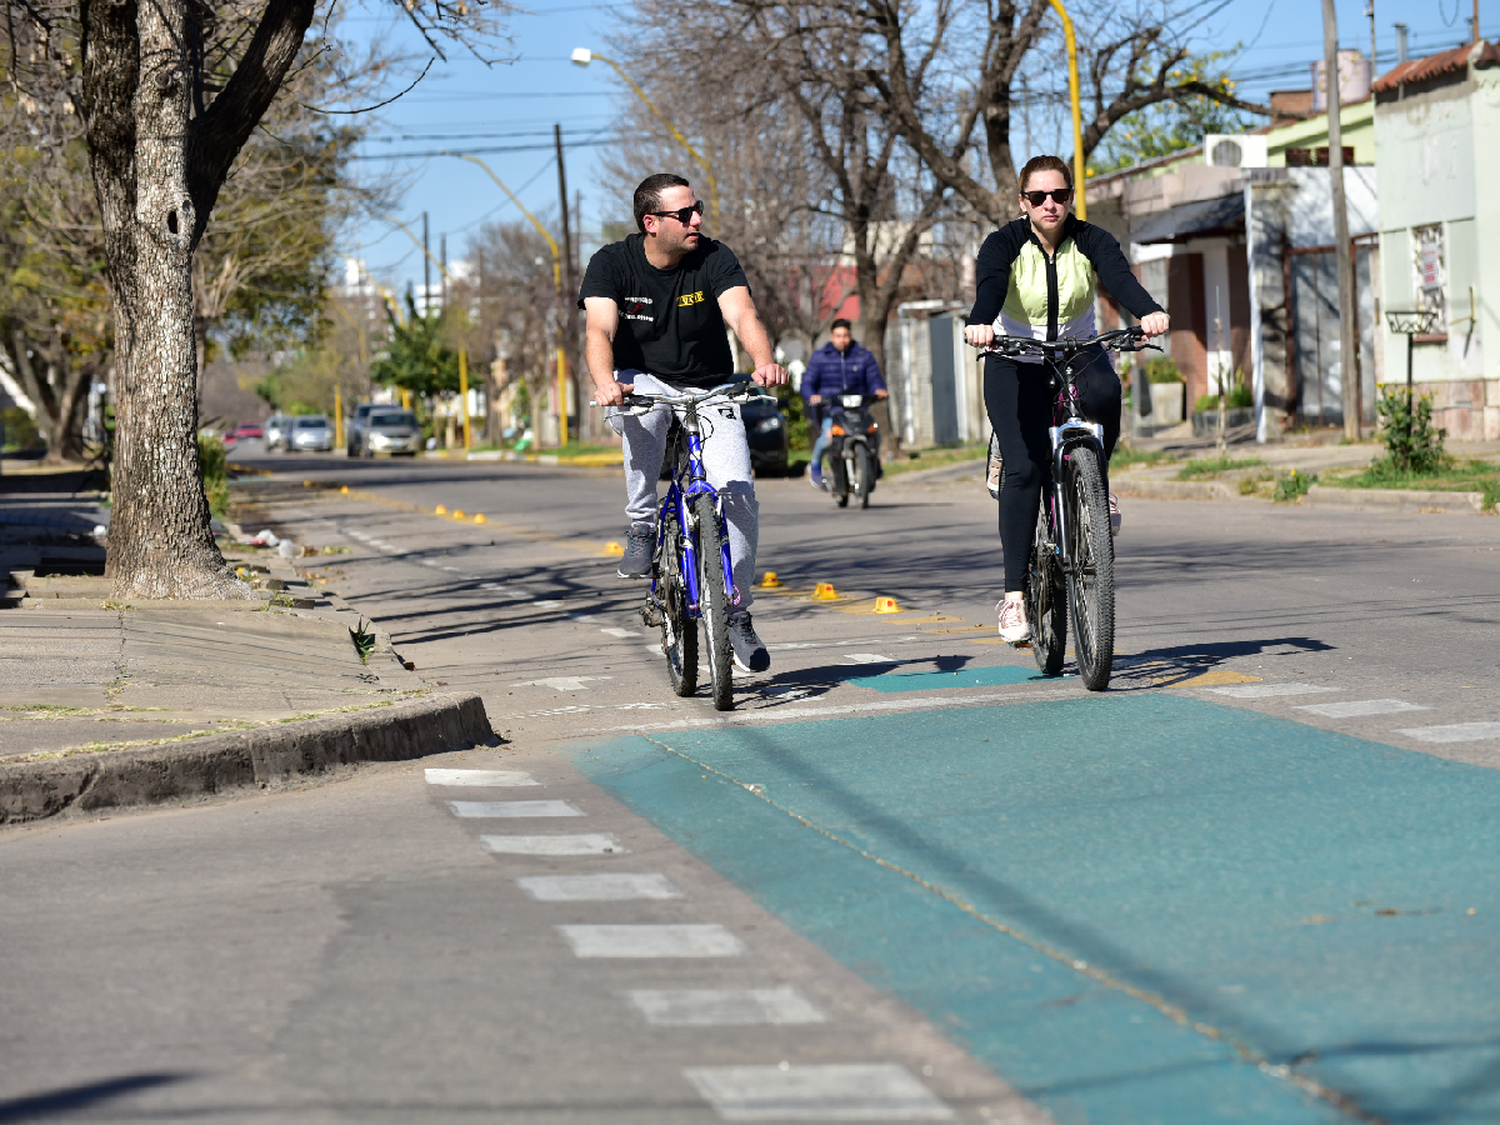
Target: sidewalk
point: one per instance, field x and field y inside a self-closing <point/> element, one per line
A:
<point x="191" y="696"/>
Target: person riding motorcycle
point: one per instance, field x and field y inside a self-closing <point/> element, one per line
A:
<point x="839" y="367"/>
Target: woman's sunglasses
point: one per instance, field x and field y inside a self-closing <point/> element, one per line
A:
<point x="1059" y="195"/>
<point x="683" y="215"/>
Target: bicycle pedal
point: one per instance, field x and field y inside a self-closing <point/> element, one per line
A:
<point x="651" y="616"/>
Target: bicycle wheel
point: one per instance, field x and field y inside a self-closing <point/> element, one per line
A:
<point x="679" y="633"/>
<point x="1091" y="578"/>
<point x="864" y="474"/>
<point x="1046" y="601"/>
<point x="713" y="602"/>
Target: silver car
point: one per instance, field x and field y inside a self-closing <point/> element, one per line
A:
<point x="391" y="431"/>
<point x="277" y="426"/>
<point x="310" y="432"/>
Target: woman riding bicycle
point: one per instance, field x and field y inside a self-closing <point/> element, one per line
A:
<point x="1036" y="277"/>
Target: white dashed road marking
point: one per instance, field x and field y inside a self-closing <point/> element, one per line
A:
<point x="618" y="632"/>
<point x="562" y="683"/>
<point x="498" y="778"/>
<point x="711" y="940"/>
<point x="598" y="888"/>
<point x="1268" y="691"/>
<point x="711" y="1007"/>
<point x="880" y="1092"/>
<point x="512" y="809"/>
<point x="868" y="658"/>
<point x="1456" y="732"/>
<point x="1356" y="708"/>
<point x="597" y="843"/>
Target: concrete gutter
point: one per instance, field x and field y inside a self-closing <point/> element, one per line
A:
<point x="84" y="782"/>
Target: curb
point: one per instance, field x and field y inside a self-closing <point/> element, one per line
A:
<point x="1399" y="499"/>
<point x="86" y="783"/>
<point x="1179" y="489"/>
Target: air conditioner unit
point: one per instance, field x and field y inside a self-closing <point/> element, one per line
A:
<point x="1243" y="150"/>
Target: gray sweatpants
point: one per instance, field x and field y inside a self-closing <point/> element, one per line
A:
<point x="726" y="463"/>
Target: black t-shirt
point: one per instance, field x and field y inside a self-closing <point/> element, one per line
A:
<point x="670" y="323"/>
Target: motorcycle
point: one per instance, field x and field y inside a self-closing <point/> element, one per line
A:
<point x="853" y="451"/>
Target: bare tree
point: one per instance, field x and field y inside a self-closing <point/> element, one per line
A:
<point x="167" y="105"/>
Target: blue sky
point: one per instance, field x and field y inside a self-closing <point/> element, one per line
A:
<point x="504" y="113"/>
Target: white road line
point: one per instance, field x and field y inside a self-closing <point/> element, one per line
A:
<point x="598" y="888"/>
<point x="710" y="940"/>
<point x="591" y="843"/>
<point x="548" y="603"/>
<point x="879" y="1092"/>
<point x="512" y="810"/>
<point x="1353" y="709"/>
<point x="1456" y="732"/>
<point x="869" y="658"/>
<point x="561" y="683"/>
<point x="432" y="563"/>
<point x="1267" y="691"/>
<point x="713" y="1007"/>
<point x="450" y="569"/>
<point x="616" y="631"/>
<point x="496" y="778"/>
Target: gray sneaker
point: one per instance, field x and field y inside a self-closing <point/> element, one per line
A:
<point x="640" y="547"/>
<point x="749" y="654"/>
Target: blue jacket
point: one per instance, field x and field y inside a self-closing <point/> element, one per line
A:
<point x="832" y="372"/>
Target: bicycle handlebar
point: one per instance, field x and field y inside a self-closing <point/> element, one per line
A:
<point x="739" y="390"/>
<point x="1120" y="340"/>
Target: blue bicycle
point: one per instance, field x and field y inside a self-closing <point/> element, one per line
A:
<point x="692" y="576"/>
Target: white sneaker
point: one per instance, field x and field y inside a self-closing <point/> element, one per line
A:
<point x="994" y="469"/>
<point x="1114" y="514"/>
<point x="1014" y="628"/>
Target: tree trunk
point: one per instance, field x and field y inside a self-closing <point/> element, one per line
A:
<point x="65" y="427"/>
<point x="138" y="92"/>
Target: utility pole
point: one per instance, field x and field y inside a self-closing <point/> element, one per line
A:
<point x="1348" y="342"/>
<point x="426" y="270"/>
<point x="1374" y="65"/>
<point x="443" y="257"/>
<point x="566" y="312"/>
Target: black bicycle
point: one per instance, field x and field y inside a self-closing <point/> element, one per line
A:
<point x="693" y="574"/>
<point x="1072" y="564"/>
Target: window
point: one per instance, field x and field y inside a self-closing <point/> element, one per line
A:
<point x="1430" y="274"/>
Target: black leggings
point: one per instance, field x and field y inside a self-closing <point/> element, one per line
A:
<point x="1019" y="402"/>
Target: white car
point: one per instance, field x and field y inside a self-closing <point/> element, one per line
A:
<point x="310" y="432"/>
<point x="276" y="431"/>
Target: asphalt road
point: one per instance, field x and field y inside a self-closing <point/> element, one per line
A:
<point x="906" y="879"/>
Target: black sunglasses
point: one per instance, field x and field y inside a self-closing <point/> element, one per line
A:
<point x="1059" y="195"/>
<point x="683" y="215"/>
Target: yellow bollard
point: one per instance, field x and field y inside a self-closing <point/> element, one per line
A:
<point x="770" y="581"/>
<point x="440" y="510"/>
<point x="613" y="548"/>
<point x="480" y="518"/>
<point x="886" y="605"/>
<point x="824" y="592"/>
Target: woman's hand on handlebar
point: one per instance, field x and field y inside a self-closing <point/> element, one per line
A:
<point x="1155" y="324"/>
<point x="979" y="335"/>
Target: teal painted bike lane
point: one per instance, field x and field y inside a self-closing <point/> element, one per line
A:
<point x="1136" y="909"/>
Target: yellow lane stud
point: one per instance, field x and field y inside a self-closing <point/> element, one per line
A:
<point x="769" y="581"/>
<point x="886" y="605"/>
<point x="480" y="518"/>
<point x="344" y="488"/>
<point x="458" y="514"/>
<point x="307" y="484"/>
<point x="440" y="510"/>
<point x="613" y="548"/>
<point x="824" y="592"/>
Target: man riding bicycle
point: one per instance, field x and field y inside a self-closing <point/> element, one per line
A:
<point x="1036" y="277"/>
<point x="676" y="291"/>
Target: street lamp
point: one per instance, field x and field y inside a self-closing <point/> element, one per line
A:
<point x="562" y="363"/>
<point x="1082" y="203"/>
<point x="463" y="351"/>
<point x="582" y="56"/>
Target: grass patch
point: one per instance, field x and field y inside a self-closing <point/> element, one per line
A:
<point x="1210" y="466"/>
<point x="1124" y="458"/>
<point x="938" y="457"/>
<point x="1465" y="476"/>
<point x="1293" y="486"/>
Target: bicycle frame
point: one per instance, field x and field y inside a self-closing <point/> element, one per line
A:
<point x="683" y="487"/>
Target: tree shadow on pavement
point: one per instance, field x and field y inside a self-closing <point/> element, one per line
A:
<point x="69" y="1099"/>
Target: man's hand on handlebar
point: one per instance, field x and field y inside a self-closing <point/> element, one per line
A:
<point x="979" y="335"/>
<point x="611" y="393"/>
<point x="770" y="375"/>
<point x="1155" y="324"/>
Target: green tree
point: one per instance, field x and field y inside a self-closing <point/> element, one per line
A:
<point x="418" y="358"/>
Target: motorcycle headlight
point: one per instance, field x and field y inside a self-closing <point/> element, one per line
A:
<point x="768" y="425"/>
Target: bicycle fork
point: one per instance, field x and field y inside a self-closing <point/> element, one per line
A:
<point x="1069" y="436"/>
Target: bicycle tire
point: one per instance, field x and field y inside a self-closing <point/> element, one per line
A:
<point x="1091" y="575"/>
<point x="864" y="474"/>
<point x="679" y="633"/>
<point x="713" y="603"/>
<point x="1046" y="602"/>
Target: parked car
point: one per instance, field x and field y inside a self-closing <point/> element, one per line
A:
<point x="249" y="429"/>
<point x="355" y="428"/>
<point x="766" y="431"/>
<point x="390" y="430"/>
<point x="310" y="432"/>
<point x="276" y="431"/>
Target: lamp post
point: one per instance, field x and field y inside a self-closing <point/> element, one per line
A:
<point x="463" y="352"/>
<point x="582" y="56"/>
<point x="562" y="363"/>
<point x="1082" y="203"/>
